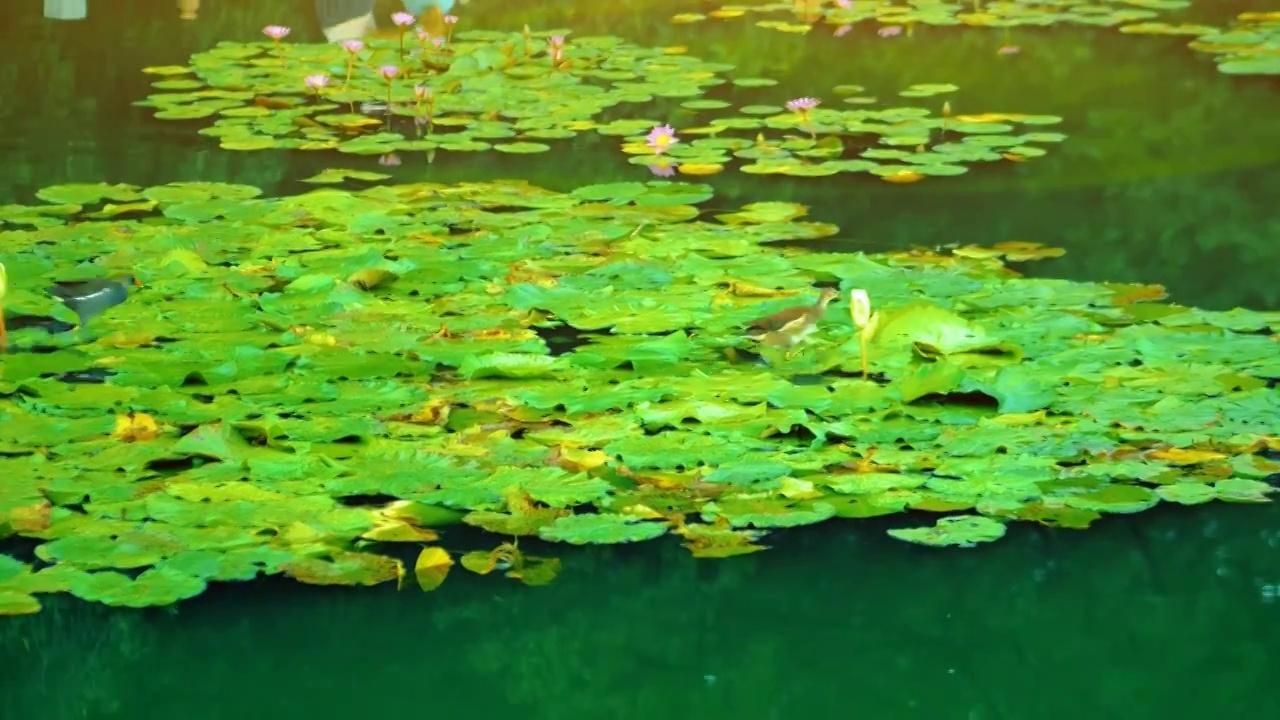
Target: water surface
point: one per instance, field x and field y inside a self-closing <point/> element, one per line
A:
<point x="1169" y="177"/>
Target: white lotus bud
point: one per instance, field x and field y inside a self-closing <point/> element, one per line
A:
<point x="859" y="307"/>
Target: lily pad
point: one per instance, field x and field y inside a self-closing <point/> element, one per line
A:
<point x="957" y="531"/>
<point x="347" y="370"/>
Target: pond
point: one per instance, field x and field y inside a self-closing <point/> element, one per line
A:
<point x="489" y="345"/>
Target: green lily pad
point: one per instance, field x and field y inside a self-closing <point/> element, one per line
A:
<point x="955" y="531"/>
<point x="601" y="529"/>
<point x="348" y="369"/>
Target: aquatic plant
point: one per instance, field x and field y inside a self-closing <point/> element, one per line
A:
<point x="318" y="385"/>
<point x="449" y="22"/>
<point x="661" y="138"/>
<point x="488" y="95"/>
<point x="277" y="33"/>
<point x="403" y="21"/>
<point x="389" y="73"/>
<point x="895" y="17"/>
<point x="1251" y="46"/>
<point x="353" y="48"/>
<point x="4" y="288"/>
<point x="555" y="49"/>
<point x="317" y="82"/>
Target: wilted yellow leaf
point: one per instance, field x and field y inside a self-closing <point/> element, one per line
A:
<point x="370" y="278"/>
<point x="135" y="427"/>
<point x="394" y="530"/>
<point x="434" y="412"/>
<point x="1185" y="456"/>
<point x="432" y="567"/>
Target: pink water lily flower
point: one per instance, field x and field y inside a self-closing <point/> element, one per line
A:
<point x="352" y="46"/>
<point x="389" y="72"/>
<point x="403" y="19"/>
<point x="422" y="92"/>
<point x="842" y="30"/>
<point x="661" y="138"/>
<point x="317" y="82"/>
<point x="889" y="31"/>
<point x="275" y="32"/>
<point x="450" y="19"/>
<point x="803" y="105"/>
<point x="844" y="4"/>
<point x="555" y="48"/>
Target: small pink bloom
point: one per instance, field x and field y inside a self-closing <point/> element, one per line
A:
<point x="423" y="35"/>
<point x="450" y="19"/>
<point x="1009" y="50"/>
<point x="389" y="72"/>
<point x="403" y="19"/>
<point x="844" y="4"/>
<point x="842" y="30"/>
<point x="391" y="159"/>
<point x="438" y="42"/>
<point x="889" y="30"/>
<point x="803" y="105"/>
<point x="275" y="32"/>
<point x="422" y="92"/>
<point x="555" y="47"/>
<point x="352" y="46"/>
<point x="317" y="82"/>
<point x="661" y="137"/>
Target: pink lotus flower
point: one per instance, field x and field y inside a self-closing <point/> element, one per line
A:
<point x="389" y="72"/>
<point x="403" y="19"/>
<point x="438" y="42"/>
<point x="390" y="159"/>
<point x="352" y="46"/>
<point x="842" y="30"/>
<point x="422" y="92"/>
<point x="844" y="4"/>
<point x="450" y="19"/>
<point x="317" y="82"/>
<point x="661" y="138"/>
<point x="889" y="31"/>
<point x="275" y="32"/>
<point x="803" y="105"/>
<point x="555" y="48"/>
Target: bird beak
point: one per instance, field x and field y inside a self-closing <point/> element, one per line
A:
<point x="137" y="282"/>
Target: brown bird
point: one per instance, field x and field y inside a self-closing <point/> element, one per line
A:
<point x="791" y="326"/>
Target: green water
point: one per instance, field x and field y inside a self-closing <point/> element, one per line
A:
<point x="1169" y="176"/>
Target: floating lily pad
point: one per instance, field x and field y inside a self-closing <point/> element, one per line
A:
<point x="1251" y="46"/>
<point x="347" y="370"/>
<point x="483" y="85"/>
<point x="1124" y="14"/>
<point x="958" y="531"/>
